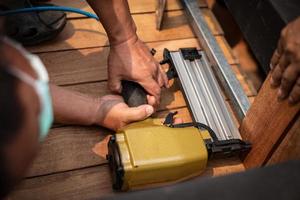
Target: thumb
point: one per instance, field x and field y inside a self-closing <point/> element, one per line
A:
<point x="138" y="113"/>
<point x="114" y="84"/>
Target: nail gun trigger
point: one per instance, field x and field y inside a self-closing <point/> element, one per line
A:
<point x="169" y="120"/>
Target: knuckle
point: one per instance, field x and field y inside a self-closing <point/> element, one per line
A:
<point x="290" y="48"/>
<point x="295" y="94"/>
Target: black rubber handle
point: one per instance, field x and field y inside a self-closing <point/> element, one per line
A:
<point x="133" y="93"/>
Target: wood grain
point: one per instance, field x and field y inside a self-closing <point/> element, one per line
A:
<point x="265" y="123"/>
<point x="66" y="167"/>
<point x="85" y="65"/>
<point x="70" y="147"/>
<point x="289" y="148"/>
<point x="79" y="184"/>
<point x="87" y="33"/>
<point x="136" y="6"/>
<point x="95" y="182"/>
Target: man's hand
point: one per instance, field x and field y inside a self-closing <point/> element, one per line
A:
<point x="132" y="60"/>
<point x="129" y="58"/>
<point x="113" y="113"/>
<point x="285" y="63"/>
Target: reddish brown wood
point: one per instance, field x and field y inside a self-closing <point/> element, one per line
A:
<point x="289" y="148"/>
<point x="265" y="123"/>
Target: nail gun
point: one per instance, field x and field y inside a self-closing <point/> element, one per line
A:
<point x="150" y="152"/>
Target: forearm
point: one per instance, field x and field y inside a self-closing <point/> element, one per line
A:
<point x="115" y="18"/>
<point x="72" y="107"/>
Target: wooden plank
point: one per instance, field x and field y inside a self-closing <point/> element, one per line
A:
<point x="80" y="184"/>
<point x="265" y="123"/>
<point x="78" y="66"/>
<point x="231" y="59"/>
<point x="87" y="33"/>
<point x="70" y="147"/>
<point x="212" y="22"/>
<point x="289" y="148"/>
<point x="136" y="6"/>
<point x="66" y="147"/>
<point x="95" y="182"/>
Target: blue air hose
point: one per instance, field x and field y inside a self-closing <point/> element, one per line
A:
<point x="48" y="8"/>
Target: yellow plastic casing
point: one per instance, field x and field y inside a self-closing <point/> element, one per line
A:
<point x="153" y="154"/>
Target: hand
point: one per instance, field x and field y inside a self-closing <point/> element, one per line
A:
<point x="113" y="113"/>
<point x="132" y="60"/>
<point x="285" y="63"/>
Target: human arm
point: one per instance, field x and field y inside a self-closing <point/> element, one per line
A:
<point x="129" y="58"/>
<point x="110" y="111"/>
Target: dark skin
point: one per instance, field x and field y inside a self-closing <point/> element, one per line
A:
<point x="129" y="58"/>
<point x="285" y="63"/>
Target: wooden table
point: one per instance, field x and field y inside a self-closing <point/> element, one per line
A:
<point x="66" y="167"/>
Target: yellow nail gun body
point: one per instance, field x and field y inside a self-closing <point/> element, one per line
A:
<point x="149" y="153"/>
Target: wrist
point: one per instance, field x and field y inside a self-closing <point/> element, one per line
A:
<point x="96" y="116"/>
<point x="126" y="37"/>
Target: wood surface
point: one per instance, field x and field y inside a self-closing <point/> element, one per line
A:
<point x="85" y="65"/>
<point x="73" y="145"/>
<point x="289" y="148"/>
<point x="87" y="33"/>
<point x="136" y="6"/>
<point x="265" y="124"/>
<point x="95" y="182"/>
<point x="66" y="167"/>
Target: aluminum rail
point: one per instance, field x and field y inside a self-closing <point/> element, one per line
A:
<point x="214" y="53"/>
<point x="203" y="95"/>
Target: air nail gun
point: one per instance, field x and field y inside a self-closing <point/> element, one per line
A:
<point x="149" y="152"/>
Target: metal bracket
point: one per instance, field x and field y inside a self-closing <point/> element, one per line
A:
<point x="190" y="53"/>
<point x="159" y="13"/>
<point x="222" y="68"/>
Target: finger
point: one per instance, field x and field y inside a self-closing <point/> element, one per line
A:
<point x="151" y="100"/>
<point x="138" y="113"/>
<point x="114" y="84"/>
<point x="289" y="78"/>
<point x="275" y="59"/>
<point x="164" y="77"/>
<point x="295" y="93"/>
<point x="152" y="88"/>
<point x="276" y="76"/>
<point x="284" y="61"/>
<point x="160" y="80"/>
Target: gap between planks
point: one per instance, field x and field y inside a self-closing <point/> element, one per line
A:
<point x="70" y="147"/>
<point x="85" y="33"/>
<point x="95" y="182"/>
<point x="79" y="66"/>
<point x="136" y="6"/>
